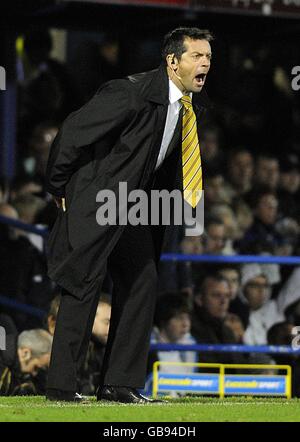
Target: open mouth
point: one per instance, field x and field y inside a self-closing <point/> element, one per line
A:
<point x="200" y="78"/>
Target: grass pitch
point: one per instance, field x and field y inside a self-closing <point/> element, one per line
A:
<point x="237" y="409"/>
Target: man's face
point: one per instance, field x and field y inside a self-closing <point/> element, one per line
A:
<point x="267" y="172"/>
<point x="215" y="238"/>
<point x="193" y="66"/>
<point x="101" y="323"/>
<point x="178" y="326"/>
<point x="290" y="181"/>
<point x="216" y="298"/>
<point x="241" y="168"/>
<point x="30" y="363"/>
<point x="233" y="279"/>
<point x="267" y="209"/>
<point x="257" y="292"/>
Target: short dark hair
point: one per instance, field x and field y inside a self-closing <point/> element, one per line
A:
<point x="173" y="42"/>
<point x="169" y="305"/>
<point x="213" y="276"/>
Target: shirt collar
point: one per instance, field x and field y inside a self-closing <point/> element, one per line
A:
<point x="175" y="93"/>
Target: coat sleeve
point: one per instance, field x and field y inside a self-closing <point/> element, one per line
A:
<point x="106" y="112"/>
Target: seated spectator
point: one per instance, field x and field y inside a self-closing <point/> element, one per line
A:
<point x="262" y="236"/>
<point x="231" y="273"/>
<point x="212" y="300"/>
<point x="240" y="171"/>
<point x="266" y="172"/>
<point x="173" y="326"/>
<point x="23" y="363"/>
<point x="214" y="236"/>
<point x="215" y="190"/>
<point x="225" y="213"/>
<point x="236" y="325"/>
<point x="264" y="311"/>
<point x="89" y="376"/>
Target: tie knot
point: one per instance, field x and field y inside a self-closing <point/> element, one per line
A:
<point x="186" y="101"/>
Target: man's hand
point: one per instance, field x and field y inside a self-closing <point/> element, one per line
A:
<point x="60" y="202"/>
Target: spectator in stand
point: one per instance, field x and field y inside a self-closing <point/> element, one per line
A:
<point x="172" y="321"/>
<point x="240" y="171"/>
<point x="262" y="236"/>
<point x="231" y="273"/>
<point x="264" y="312"/>
<point x="215" y="239"/>
<point x="215" y="189"/>
<point x="236" y="325"/>
<point x="213" y="242"/>
<point x="23" y="363"/>
<point x="211" y="306"/>
<point x="266" y="172"/>
<point x="225" y="213"/>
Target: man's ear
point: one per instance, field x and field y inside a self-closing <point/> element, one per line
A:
<point x="24" y="354"/>
<point x="172" y="61"/>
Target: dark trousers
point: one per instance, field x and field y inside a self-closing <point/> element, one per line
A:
<point x="133" y="271"/>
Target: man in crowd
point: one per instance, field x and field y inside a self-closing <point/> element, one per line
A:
<point x="23" y="363"/>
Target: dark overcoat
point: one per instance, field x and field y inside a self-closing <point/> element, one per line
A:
<point x="115" y="137"/>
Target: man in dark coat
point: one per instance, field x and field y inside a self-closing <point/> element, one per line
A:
<point x="130" y="131"/>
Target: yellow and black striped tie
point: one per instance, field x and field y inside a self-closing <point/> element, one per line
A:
<point x="191" y="159"/>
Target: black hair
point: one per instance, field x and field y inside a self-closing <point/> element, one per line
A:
<point x="173" y="42"/>
<point x="279" y="334"/>
<point x="169" y="305"/>
<point x="215" y="276"/>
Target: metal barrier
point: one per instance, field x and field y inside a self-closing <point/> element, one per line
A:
<point x="262" y="384"/>
<point x="227" y="348"/>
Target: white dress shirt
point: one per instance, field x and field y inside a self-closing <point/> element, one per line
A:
<point x="172" y="117"/>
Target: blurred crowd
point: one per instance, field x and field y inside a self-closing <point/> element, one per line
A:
<point x="251" y="207"/>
